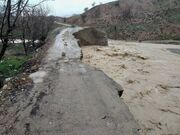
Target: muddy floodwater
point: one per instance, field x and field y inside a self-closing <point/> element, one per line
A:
<point x="150" y="76"/>
<point x="174" y="50"/>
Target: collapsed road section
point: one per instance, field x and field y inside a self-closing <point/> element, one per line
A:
<point x="69" y="98"/>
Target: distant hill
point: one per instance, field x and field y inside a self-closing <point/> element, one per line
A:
<point x="134" y="19"/>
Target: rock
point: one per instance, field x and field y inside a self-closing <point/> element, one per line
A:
<point x="98" y="49"/>
<point x="7" y="80"/>
<point x="34" y="68"/>
<point x="91" y="36"/>
<point x="63" y="54"/>
<point x="5" y="87"/>
<point x="104" y="117"/>
<point x="24" y="79"/>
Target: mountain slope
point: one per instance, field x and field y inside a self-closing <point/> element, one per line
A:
<point x="134" y="19"/>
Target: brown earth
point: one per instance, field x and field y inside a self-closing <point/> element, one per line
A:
<point x="90" y="36"/>
<point x="133" y="19"/>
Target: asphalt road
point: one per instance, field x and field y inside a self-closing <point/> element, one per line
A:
<point x="69" y="98"/>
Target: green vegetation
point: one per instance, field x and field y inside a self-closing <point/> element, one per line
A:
<point x="16" y="48"/>
<point x="132" y="28"/>
<point x="136" y="27"/>
<point x="161" y="3"/>
<point x="10" y="66"/>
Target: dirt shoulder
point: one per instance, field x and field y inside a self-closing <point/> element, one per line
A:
<point x="150" y="76"/>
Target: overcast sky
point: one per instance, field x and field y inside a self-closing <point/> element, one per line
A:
<point x="70" y="7"/>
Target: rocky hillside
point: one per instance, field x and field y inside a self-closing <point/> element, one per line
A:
<point x="134" y="19"/>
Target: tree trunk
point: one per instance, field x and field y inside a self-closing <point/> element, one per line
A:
<point x="33" y="44"/>
<point x="24" y="42"/>
<point x="25" y="48"/>
<point x="3" y="50"/>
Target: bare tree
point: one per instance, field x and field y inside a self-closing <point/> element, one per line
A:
<point x="24" y="28"/>
<point x="35" y="24"/>
<point x="11" y="12"/>
<point x="39" y="23"/>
